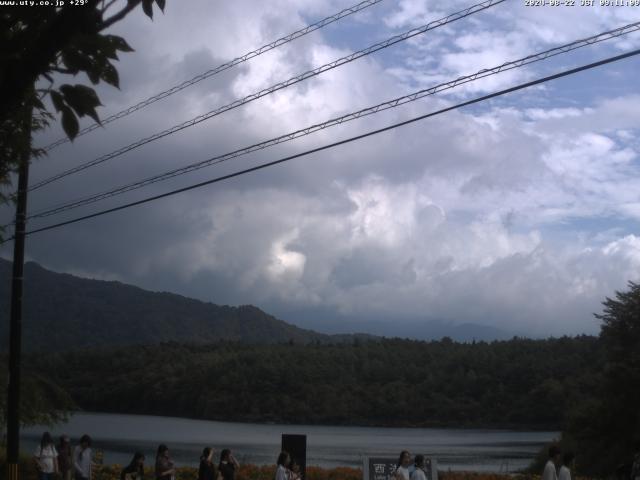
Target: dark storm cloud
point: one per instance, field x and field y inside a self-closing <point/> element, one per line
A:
<point x="407" y="226"/>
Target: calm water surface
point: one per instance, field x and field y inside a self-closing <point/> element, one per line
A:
<point x="327" y="446"/>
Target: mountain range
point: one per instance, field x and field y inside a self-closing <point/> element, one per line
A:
<point x="65" y="312"/>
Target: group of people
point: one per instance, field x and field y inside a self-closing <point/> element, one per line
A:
<point x="406" y="470"/>
<point x="225" y="469"/>
<point x="67" y="463"/>
<point x="62" y="459"/>
<point x="76" y="463"/>
<point x="559" y="466"/>
<point x="165" y="468"/>
<point x="287" y="467"/>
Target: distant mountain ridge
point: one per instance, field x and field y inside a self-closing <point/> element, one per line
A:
<point x="63" y="312"/>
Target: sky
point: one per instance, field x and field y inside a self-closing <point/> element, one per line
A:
<point x="521" y="213"/>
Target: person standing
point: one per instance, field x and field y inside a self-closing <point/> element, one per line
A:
<point x="228" y="465"/>
<point x="82" y="458"/>
<point x="402" y="469"/>
<point x="550" y="469"/>
<point x="294" y="470"/>
<point x="567" y="466"/>
<point x="46" y="457"/>
<point x="135" y="469"/>
<point x="418" y="473"/>
<point x="207" y="469"/>
<point x="282" y="471"/>
<point x="65" y="460"/>
<point x="635" y="467"/>
<point x="165" y="469"/>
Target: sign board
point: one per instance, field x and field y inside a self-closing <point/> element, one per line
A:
<point x="384" y="468"/>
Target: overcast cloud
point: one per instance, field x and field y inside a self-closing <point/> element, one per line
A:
<point x="521" y="213"/>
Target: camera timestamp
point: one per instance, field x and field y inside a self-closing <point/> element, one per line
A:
<point x="619" y="3"/>
<point x="44" y="3"/>
<point x="582" y="3"/>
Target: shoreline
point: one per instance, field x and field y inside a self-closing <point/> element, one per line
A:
<point x="118" y="436"/>
<point x="503" y="428"/>
<point x="252" y="471"/>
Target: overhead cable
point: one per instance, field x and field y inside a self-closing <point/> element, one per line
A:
<point x="396" y="102"/>
<point x="338" y="143"/>
<point x="220" y="68"/>
<point x="274" y="88"/>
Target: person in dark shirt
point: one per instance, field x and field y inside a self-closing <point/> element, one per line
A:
<point x="165" y="469"/>
<point x="207" y="470"/>
<point x="228" y="465"/>
<point x="135" y="469"/>
<point x="65" y="462"/>
<point x="294" y="470"/>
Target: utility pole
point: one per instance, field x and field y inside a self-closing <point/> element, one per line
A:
<point x="15" y="328"/>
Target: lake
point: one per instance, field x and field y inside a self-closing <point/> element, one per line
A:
<point x="327" y="446"/>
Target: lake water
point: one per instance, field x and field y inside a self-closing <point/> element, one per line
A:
<point x="327" y="446"/>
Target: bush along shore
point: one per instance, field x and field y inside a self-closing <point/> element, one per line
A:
<point x="267" y="472"/>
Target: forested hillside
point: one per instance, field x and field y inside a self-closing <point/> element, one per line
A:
<point x="63" y="312"/>
<point x="522" y="383"/>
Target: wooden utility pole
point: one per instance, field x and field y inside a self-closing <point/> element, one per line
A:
<point x="15" y="327"/>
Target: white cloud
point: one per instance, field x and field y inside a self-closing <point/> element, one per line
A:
<point x="499" y="215"/>
<point x="554" y="113"/>
<point x="286" y="262"/>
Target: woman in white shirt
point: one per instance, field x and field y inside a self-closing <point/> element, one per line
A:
<point x="46" y="457"/>
<point x="402" y="470"/>
<point x="82" y="458"/>
<point x="418" y="473"/>
<point x="567" y="464"/>
<point x="282" y="472"/>
<point x="550" y="468"/>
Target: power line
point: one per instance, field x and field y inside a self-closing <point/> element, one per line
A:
<point x="341" y="142"/>
<point x="279" y="86"/>
<point x="221" y="68"/>
<point x="396" y="102"/>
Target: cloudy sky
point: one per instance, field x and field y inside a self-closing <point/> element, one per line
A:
<point x="521" y="213"/>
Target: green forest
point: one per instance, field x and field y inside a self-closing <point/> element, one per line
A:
<point x="586" y="387"/>
<point x="524" y="383"/>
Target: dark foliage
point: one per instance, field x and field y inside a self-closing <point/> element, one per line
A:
<point x="604" y="429"/>
<point x="38" y="47"/>
<point x="519" y="383"/>
<point x="42" y="401"/>
<point x="64" y="312"/>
